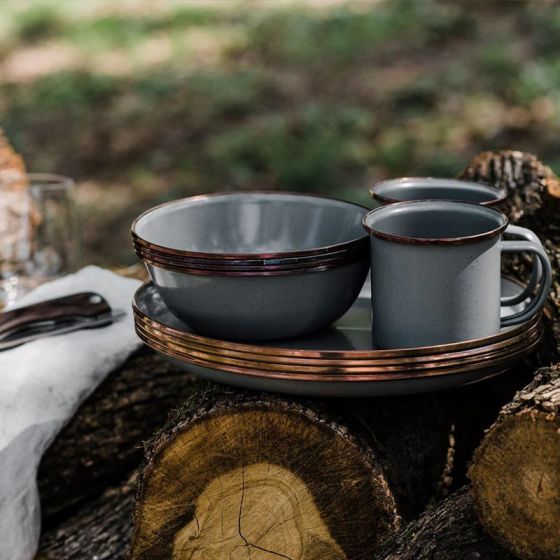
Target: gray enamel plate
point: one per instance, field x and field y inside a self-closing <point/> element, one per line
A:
<point x="351" y="332"/>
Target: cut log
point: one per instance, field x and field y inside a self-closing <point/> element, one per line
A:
<point x="516" y="471"/>
<point x="409" y="436"/>
<point x="449" y="532"/>
<point x="249" y="475"/>
<point x="100" y="529"/>
<point x="104" y="440"/>
<point x="239" y="475"/>
<point x="533" y="202"/>
<point x="473" y="409"/>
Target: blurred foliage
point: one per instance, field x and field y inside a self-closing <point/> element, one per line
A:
<point x="143" y="101"/>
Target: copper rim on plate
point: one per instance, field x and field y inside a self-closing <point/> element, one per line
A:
<point x="493" y="352"/>
<point x="365" y="368"/>
<point x="151" y="328"/>
<point x="336" y="355"/>
<point x="328" y="375"/>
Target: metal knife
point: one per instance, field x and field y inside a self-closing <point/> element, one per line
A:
<point x="62" y="328"/>
<point x="81" y="310"/>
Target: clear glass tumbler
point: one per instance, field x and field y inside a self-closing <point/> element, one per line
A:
<point x="39" y="234"/>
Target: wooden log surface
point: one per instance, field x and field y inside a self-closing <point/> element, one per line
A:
<point x="533" y="201"/>
<point x="451" y="531"/>
<point x="516" y="471"/>
<point x="253" y="476"/>
<point x="100" y="529"/>
<point x="104" y="439"/>
<point x="367" y="462"/>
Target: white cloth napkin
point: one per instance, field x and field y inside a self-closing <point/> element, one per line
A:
<point x="41" y="385"/>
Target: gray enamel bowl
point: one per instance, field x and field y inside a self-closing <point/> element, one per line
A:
<point x="261" y="307"/>
<point x="313" y="251"/>
<point x="242" y="226"/>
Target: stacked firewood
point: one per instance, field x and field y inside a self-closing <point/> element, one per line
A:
<point x="472" y="473"/>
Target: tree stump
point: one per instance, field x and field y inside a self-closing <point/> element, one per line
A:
<point x="451" y="531"/>
<point x="516" y="471"/>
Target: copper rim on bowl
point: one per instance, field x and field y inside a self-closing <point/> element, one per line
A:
<point x="250" y="264"/>
<point x="254" y="267"/>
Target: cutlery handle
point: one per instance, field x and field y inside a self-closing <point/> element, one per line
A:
<point x="84" y="305"/>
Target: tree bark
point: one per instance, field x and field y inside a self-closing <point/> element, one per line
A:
<point x="100" y="529"/>
<point x="533" y="202"/>
<point x="104" y="439"/>
<point x="516" y="471"/>
<point x="451" y="531"/>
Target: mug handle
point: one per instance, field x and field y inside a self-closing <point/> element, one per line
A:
<point x="536" y="272"/>
<point x="546" y="280"/>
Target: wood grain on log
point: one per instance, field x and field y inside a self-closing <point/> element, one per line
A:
<point x="343" y="469"/>
<point x="238" y="475"/>
<point x="451" y="531"/>
<point x="516" y="471"/>
<point x="104" y="439"/>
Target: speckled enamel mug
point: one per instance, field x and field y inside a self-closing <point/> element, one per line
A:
<point x="405" y="189"/>
<point x="436" y="272"/>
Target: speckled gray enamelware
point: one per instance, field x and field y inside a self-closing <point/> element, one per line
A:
<point x="261" y="307"/>
<point x="246" y="225"/>
<point x="351" y="332"/>
<point x="284" y="296"/>
<point x="436" y="272"/>
<point x="431" y="188"/>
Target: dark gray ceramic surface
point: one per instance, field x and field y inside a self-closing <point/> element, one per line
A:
<point x="251" y="223"/>
<point x="430" y="188"/>
<point x="436" y="273"/>
<point x="351" y="332"/>
<point x="262" y="307"/>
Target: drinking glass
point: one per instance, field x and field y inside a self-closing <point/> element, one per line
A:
<point x="39" y="237"/>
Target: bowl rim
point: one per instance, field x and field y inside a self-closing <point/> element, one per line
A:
<point x="350" y="244"/>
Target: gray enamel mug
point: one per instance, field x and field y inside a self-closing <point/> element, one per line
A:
<point x="435" y="272"/>
<point x="405" y="189"/>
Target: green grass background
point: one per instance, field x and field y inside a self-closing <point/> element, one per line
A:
<point x="143" y="101"/>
